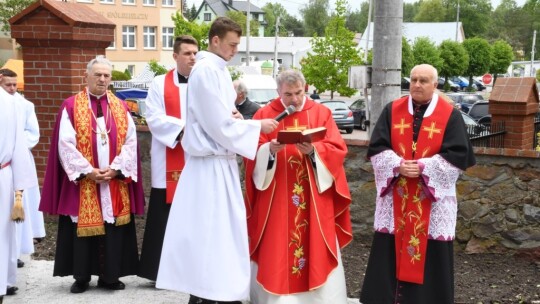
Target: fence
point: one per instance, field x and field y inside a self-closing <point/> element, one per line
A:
<point x="488" y="135"/>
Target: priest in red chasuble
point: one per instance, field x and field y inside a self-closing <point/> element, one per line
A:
<point x="93" y="183"/>
<point x="418" y="149"/>
<point x="298" y="205"/>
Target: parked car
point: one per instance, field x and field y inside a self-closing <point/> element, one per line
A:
<point x="453" y="87"/>
<point x="343" y="116"/>
<point x="261" y="88"/>
<point x="479" y="111"/>
<point x="465" y="100"/>
<point x="474" y="129"/>
<point x="358" y="108"/>
<point x="479" y="85"/>
<point x="461" y="81"/>
<point x="405" y="83"/>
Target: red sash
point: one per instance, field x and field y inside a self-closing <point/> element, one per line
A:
<point x="174" y="158"/>
<point x="412" y="208"/>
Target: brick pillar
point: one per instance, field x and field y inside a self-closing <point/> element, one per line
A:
<point x="515" y="101"/>
<point x="58" y="39"/>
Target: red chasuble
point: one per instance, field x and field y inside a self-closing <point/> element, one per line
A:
<point x="292" y="227"/>
<point x="412" y="207"/>
<point x="174" y="158"/>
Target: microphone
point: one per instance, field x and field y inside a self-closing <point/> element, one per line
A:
<point x="288" y="111"/>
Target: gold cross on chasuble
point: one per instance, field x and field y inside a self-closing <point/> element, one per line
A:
<point x="402" y="126"/>
<point x="175" y="175"/>
<point x="431" y="130"/>
<point x="296" y="126"/>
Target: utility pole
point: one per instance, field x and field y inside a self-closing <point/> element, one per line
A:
<point x="532" y="54"/>
<point x="247" y="31"/>
<point x="274" y="66"/>
<point x="457" y="21"/>
<point x="367" y="102"/>
<point x="386" y="75"/>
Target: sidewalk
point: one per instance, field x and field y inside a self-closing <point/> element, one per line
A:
<point x="38" y="286"/>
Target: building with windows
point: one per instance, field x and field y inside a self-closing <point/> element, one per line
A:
<point x="211" y="9"/>
<point x="144" y="31"/>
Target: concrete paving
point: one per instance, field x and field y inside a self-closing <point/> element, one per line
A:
<point x="38" y="286"/>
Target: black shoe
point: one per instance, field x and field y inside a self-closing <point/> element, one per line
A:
<point x="20" y="264"/>
<point x="79" y="287"/>
<point x="118" y="285"/>
<point x="10" y="291"/>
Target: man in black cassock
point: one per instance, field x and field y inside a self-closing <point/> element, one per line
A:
<point x="245" y="106"/>
<point x="418" y="149"/>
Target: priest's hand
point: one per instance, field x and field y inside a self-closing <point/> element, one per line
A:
<point x="237" y="115"/>
<point x="101" y="176"/>
<point x="409" y="168"/>
<point x="268" y="125"/>
<point x="305" y="147"/>
<point x="275" y="146"/>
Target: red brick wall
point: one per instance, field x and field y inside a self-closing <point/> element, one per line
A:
<point x="55" y="54"/>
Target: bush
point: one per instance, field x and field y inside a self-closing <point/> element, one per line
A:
<point x="117" y="76"/>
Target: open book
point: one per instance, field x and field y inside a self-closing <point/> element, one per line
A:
<point x="298" y="136"/>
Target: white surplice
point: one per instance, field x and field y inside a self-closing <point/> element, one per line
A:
<point x="75" y="164"/>
<point x="205" y="251"/>
<point x="19" y="175"/>
<point x="164" y="128"/>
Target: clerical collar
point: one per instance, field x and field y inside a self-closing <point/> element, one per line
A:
<point x="239" y="104"/>
<point x="182" y="78"/>
<point x="96" y="96"/>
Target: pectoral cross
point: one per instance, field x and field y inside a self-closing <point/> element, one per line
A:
<point x="296" y="126"/>
<point x="103" y="138"/>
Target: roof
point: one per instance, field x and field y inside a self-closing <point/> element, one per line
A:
<point x="221" y="7"/>
<point x="242" y="6"/>
<point x="435" y="31"/>
<point x="266" y="44"/>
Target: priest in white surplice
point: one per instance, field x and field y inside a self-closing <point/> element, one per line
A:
<point x="205" y="250"/>
<point x="16" y="173"/>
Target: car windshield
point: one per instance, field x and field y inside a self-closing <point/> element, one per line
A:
<point x="468" y="120"/>
<point x="335" y="105"/>
<point x="471" y="99"/>
<point x="262" y="95"/>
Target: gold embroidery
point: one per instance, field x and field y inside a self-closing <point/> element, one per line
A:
<point x="296" y="126"/>
<point x="300" y="223"/>
<point x="431" y="129"/>
<point x="402" y="126"/>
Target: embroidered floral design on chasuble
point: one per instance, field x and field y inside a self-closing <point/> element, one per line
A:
<point x="300" y="220"/>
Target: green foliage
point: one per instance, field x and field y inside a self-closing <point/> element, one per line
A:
<point x="235" y="73"/>
<point x="315" y="16"/>
<point x="480" y="54"/>
<point x="157" y="68"/>
<point x="538" y="75"/>
<point x="128" y="74"/>
<point x="502" y="57"/>
<point x="354" y="21"/>
<point x="410" y="10"/>
<point x="425" y="51"/>
<point x="407" y="58"/>
<point x="198" y="31"/>
<point x="272" y="10"/>
<point x="10" y="8"/>
<point x="192" y="12"/>
<point x="293" y="26"/>
<point x="118" y="76"/>
<point x="473" y="14"/>
<point x="327" y="68"/>
<point x="363" y="17"/>
<point x="455" y="59"/>
<point x="241" y="19"/>
<point x="431" y="11"/>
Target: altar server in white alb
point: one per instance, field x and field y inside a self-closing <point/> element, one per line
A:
<point x="17" y="173"/>
<point x="165" y="116"/>
<point x="205" y="250"/>
<point x="32" y="226"/>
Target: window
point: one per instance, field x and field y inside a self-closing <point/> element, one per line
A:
<point x="167" y="37"/>
<point x="149" y="2"/>
<point x="107" y="1"/>
<point x="130" y="2"/>
<point x="128" y="36"/>
<point x="207" y="17"/>
<point x="149" y="37"/>
<point x="131" y="69"/>
<point x="167" y="2"/>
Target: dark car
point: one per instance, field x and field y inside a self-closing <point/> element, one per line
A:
<point x="453" y="87"/>
<point x="358" y="108"/>
<point x="405" y="83"/>
<point x="479" y="85"/>
<point x="343" y="116"/>
<point x="479" y="111"/>
<point x="474" y="129"/>
<point x="465" y="100"/>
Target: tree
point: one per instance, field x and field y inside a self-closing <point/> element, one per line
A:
<point x="185" y="10"/>
<point x="192" y="12"/>
<point x="502" y="57"/>
<point x="455" y="59"/>
<point x="315" y="17"/>
<point x="531" y="14"/>
<point x="241" y="19"/>
<point x="354" y="22"/>
<point x="410" y="10"/>
<point x="293" y="26"/>
<point x="272" y="11"/>
<point x="425" y="51"/>
<point x="407" y="58"/>
<point x="479" y="52"/>
<point x="327" y="68"/>
<point x="157" y="68"/>
<point x="11" y="8"/>
<point x="198" y="31"/>
<point x="362" y="20"/>
<point x="431" y="11"/>
<point x="475" y="15"/>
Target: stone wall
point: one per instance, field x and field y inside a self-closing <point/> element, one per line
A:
<point x="499" y="199"/>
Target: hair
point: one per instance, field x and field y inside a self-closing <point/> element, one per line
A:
<point x="187" y="39"/>
<point x="221" y="26"/>
<point x="240" y="86"/>
<point x="429" y="66"/>
<point x="100" y="59"/>
<point x="8" y="73"/>
<point x="290" y="77"/>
